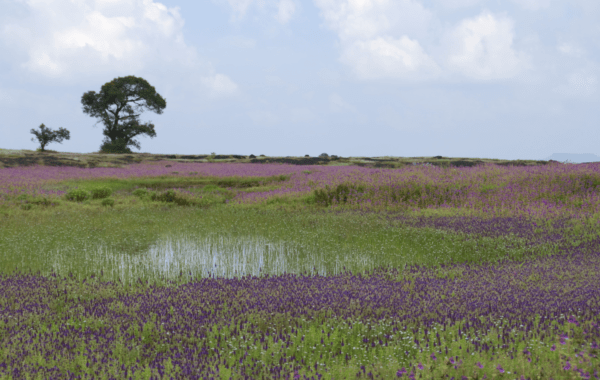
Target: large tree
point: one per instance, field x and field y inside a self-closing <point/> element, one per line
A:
<point x="118" y="105"/>
<point x="46" y="135"/>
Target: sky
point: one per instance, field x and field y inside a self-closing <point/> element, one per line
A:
<point x="508" y="79"/>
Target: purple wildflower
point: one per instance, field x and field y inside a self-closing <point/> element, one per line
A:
<point x="478" y="364"/>
<point x="567" y="366"/>
<point x="572" y="319"/>
<point x="500" y="369"/>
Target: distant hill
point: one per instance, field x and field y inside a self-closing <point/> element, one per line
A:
<point x="574" y="157"/>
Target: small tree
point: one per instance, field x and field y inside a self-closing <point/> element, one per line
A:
<point x="116" y="105"/>
<point x="46" y="135"/>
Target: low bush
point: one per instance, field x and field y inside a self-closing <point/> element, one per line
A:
<point x="42" y="201"/>
<point x="114" y="147"/>
<point x="339" y="194"/>
<point x="140" y="192"/>
<point x="108" y="202"/>
<point x="77" y="195"/>
<point x="101" y="192"/>
<point x="172" y="196"/>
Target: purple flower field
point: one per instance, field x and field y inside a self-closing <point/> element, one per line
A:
<point x="537" y="314"/>
<point x="534" y="317"/>
<point x="543" y="192"/>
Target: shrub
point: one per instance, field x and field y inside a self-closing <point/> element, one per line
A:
<point x="140" y="192"/>
<point x="114" y="147"/>
<point x="166" y="196"/>
<point x="108" y="202"/>
<point x="306" y="155"/>
<point x="251" y="156"/>
<point x="174" y="197"/>
<point x="41" y="201"/>
<point x="26" y="206"/>
<point x="323" y="155"/>
<point x="77" y="195"/>
<point x="340" y="193"/>
<point x="101" y="192"/>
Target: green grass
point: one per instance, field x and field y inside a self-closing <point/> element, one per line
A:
<point x="131" y="232"/>
<point x="84" y="237"/>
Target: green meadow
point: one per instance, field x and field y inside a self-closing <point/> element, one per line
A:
<point x="194" y="275"/>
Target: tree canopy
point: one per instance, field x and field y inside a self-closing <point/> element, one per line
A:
<point x="46" y="135"/>
<point x="118" y="106"/>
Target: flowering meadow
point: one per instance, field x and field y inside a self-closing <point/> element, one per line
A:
<point x="425" y="272"/>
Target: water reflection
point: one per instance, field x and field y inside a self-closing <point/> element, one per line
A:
<point x="209" y="256"/>
<point x="220" y="256"/>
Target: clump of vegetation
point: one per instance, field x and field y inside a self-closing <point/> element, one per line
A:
<point x="101" y="192"/>
<point x="171" y="196"/>
<point x="338" y="194"/>
<point x="140" y="193"/>
<point x="42" y="202"/>
<point x="77" y="195"/>
<point x="108" y="202"/>
<point x="114" y="147"/>
<point x="323" y="155"/>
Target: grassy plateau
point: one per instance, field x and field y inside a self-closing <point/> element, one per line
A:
<point x="146" y="266"/>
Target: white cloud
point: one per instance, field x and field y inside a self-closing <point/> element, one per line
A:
<point x="220" y="85"/>
<point x="68" y="41"/>
<point x="580" y="83"/>
<point x="285" y="11"/>
<point x="282" y="10"/>
<point x="329" y="77"/>
<point x="454" y="4"/>
<point x="239" y="42"/>
<point x="533" y="5"/>
<point x="240" y="7"/>
<point x="389" y="58"/>
<point x="61" y="39"/>
<point x="482" y="48"/>
<point x="570" y="50"/>
<point x="379" y="38"/>
<point x="367" y="19"/>
<point x="337" y="104"/>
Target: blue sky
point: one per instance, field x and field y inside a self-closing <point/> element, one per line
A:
<point x="462" y="78"/>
